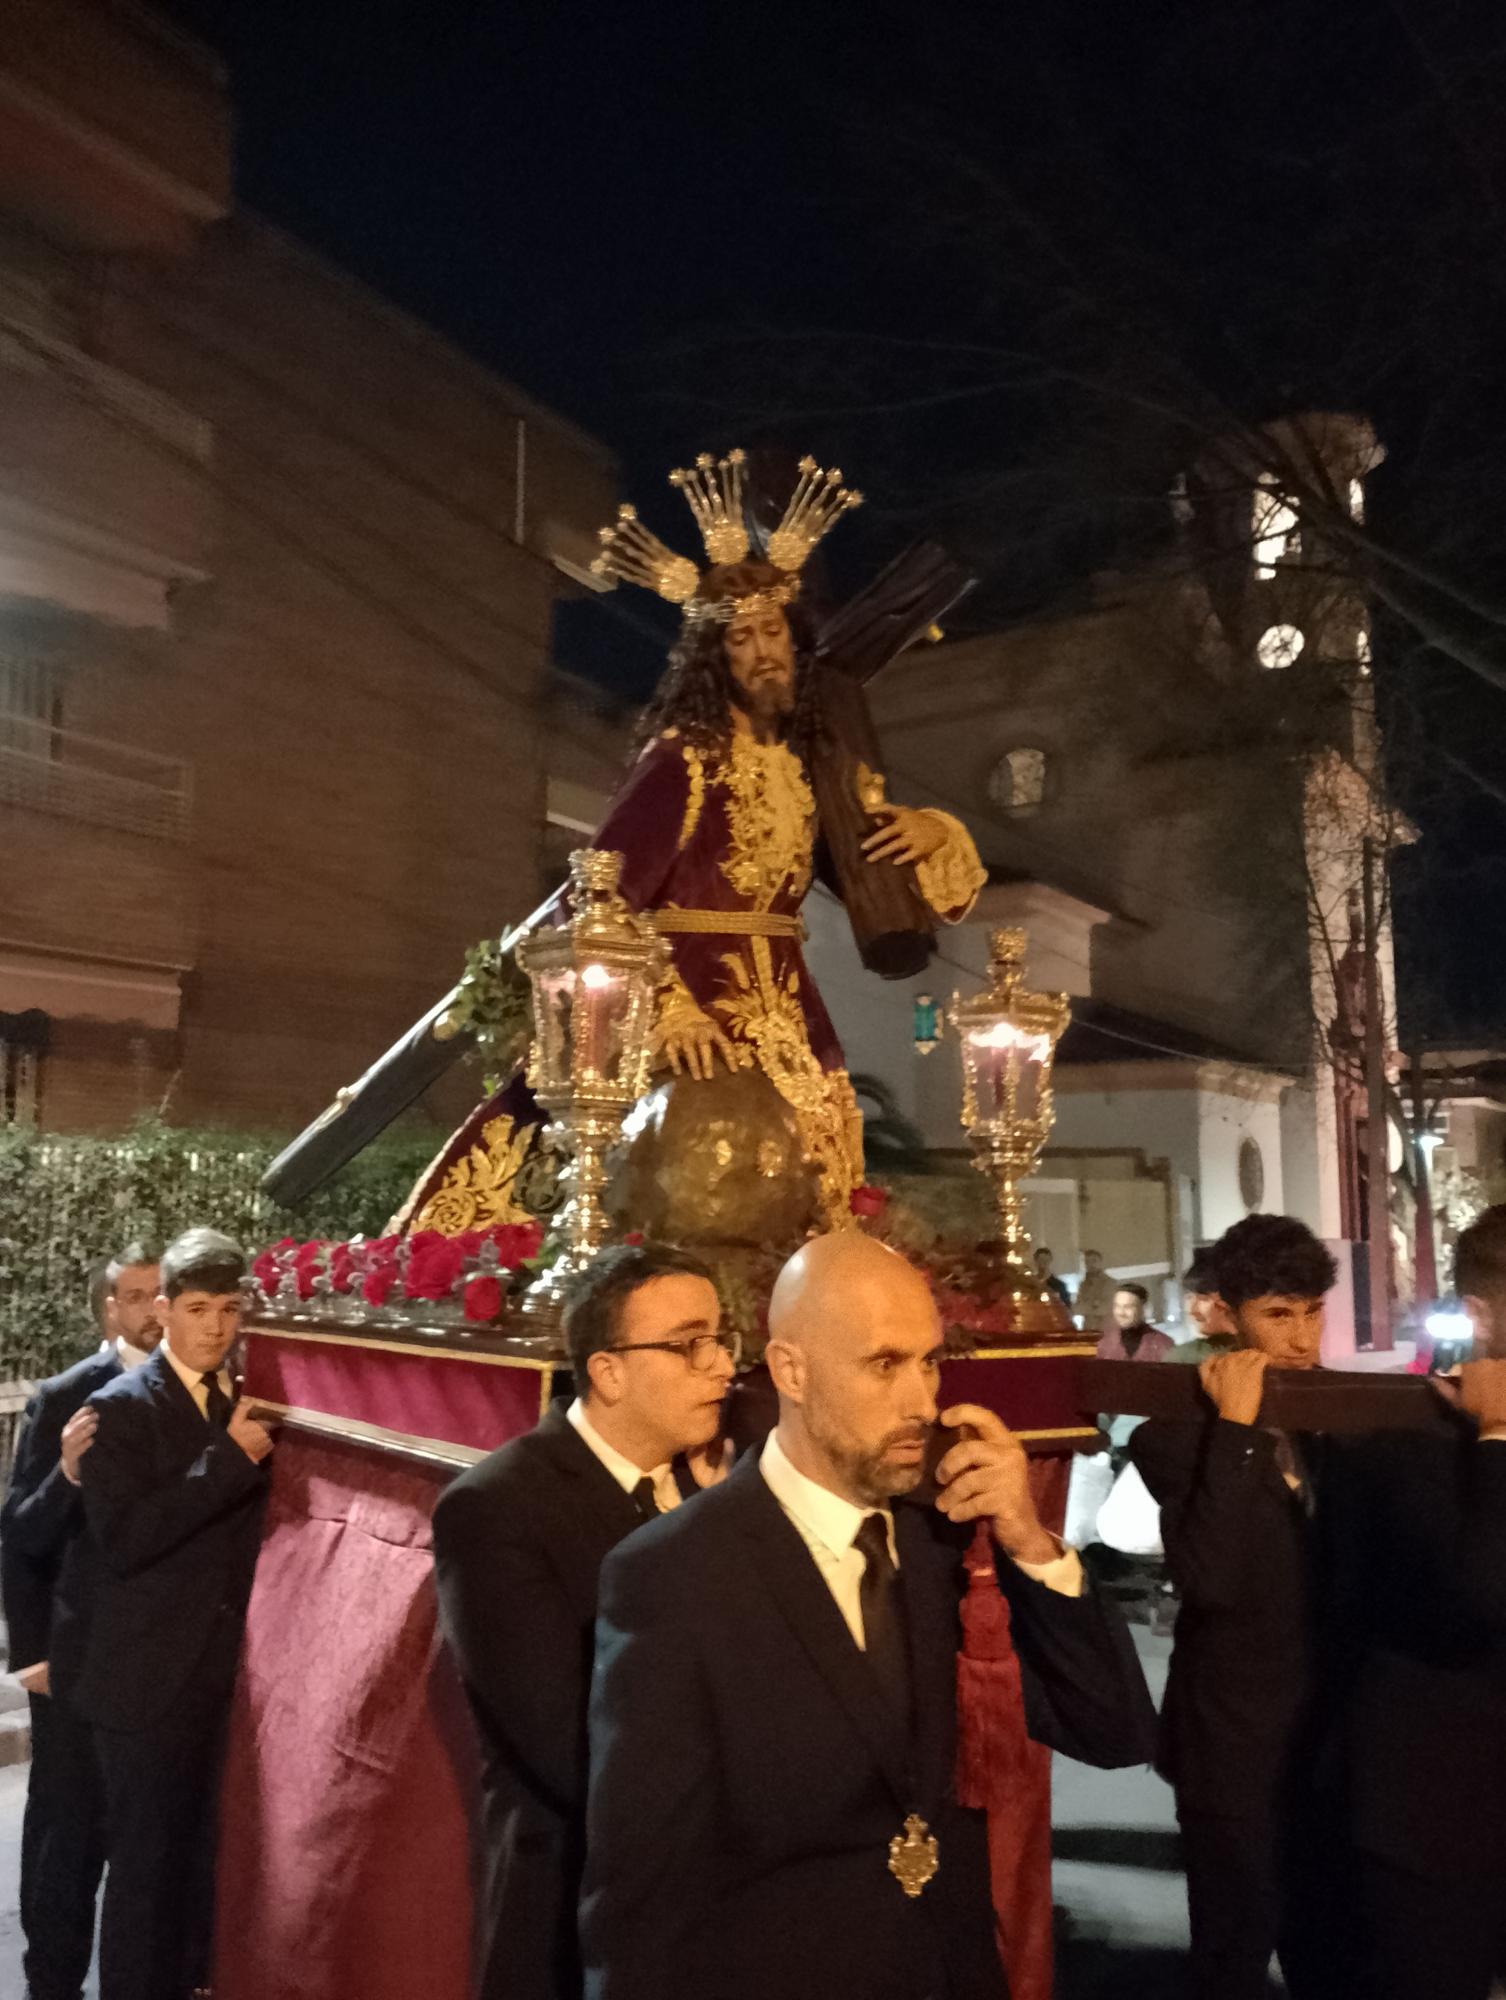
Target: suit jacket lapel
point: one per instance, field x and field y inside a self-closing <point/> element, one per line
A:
<point x="168" y="1386"/>
<point x="804" y="1599"/>
<point x="597" y="1513"/>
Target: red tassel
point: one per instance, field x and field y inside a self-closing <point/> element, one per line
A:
<point x="992" y="1746"/>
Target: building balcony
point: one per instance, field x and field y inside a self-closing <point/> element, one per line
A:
<point x="92" y="780"/>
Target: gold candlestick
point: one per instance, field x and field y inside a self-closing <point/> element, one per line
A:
<point x="1008" y="1037"/>
<point x="593" y="980"/>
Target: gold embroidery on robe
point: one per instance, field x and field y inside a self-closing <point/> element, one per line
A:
<point x="477" y="1192"/>
<point x="771" y="819"/>
<point x="695" y="796"/>
<point x="950" y="878"/>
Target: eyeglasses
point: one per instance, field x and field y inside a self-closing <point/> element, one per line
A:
<point x="700" y="1350"/>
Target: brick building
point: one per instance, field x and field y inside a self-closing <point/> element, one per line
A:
<point x="278" y="568"/>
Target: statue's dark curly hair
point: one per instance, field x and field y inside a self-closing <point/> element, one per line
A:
<point x="694" y="695"/>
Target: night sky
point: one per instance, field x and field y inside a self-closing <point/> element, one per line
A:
<point x="858" y="229"/>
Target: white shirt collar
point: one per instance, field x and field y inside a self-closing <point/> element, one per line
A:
<point x="825" y="1516"/>
<point x="622" y="1469"/>
<point x="130" y="1357"/>
<point x="191" y="1378"/>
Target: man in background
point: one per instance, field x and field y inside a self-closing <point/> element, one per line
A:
<point x="1213" y="1329"/>
<point x="1132" y="1337"/>
<point x="1047" y="1278"/>
<point x="174" y="1485"/>
<point x="1094" y="1304"/>
<point x="519" y="1541"/>
<point x="62" y="1839"/>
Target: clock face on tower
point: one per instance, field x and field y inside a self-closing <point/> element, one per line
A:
<point x="1017" y="783"/>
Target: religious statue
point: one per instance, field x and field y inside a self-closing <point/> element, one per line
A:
<point x="720" y="821"/>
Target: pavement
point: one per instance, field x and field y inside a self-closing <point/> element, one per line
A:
<point x="1117" y="1884"/>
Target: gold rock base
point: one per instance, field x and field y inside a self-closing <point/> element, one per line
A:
<point x="718" y="1162"/>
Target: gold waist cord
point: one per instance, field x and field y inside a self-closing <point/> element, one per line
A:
<point x="729" y="923"/>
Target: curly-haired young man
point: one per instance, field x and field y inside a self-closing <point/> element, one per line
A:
<point x="1243" y="1704"/>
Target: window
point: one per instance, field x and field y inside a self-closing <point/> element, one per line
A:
<point x="1279" y="645"/>
<point x="23" y="1038"/>
<point x="1274" y="527"/>
<point x="30" y="703"/>
<point x="1017" y="783"/>
<point x="1357" y="500"/>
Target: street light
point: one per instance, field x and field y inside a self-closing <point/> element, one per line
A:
<point x="593" y="980"/>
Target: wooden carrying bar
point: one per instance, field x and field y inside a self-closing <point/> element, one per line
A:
<point x="1319" y="1399"/>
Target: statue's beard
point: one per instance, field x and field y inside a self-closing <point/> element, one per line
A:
<point x="768" y="703"/>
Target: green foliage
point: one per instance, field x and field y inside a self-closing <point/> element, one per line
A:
<point x="66" y="1202"/>
<point x="492" y="1002"/>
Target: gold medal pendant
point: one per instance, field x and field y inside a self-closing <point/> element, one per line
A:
<point x="912" y="1855"/>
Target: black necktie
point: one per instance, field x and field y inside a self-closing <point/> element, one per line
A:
<point x="216" y="1402"/>
<point x="642" y="1497"/>
<point x="883" y="1614"/>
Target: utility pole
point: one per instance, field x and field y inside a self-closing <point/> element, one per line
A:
<point x="1425" y="1256"/>
<point x="1378" y="1172"/>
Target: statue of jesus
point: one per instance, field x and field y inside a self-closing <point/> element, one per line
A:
<point x="717" y="821"/>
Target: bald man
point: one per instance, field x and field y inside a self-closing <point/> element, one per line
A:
<point x="773" y="1715"/>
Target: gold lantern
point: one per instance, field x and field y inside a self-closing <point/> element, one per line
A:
<point x="1008" y="1038"/>
<point x="593" y="980"/>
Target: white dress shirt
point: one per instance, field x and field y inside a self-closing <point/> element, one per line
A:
<point x="827" y="1525"/>
<point x="623" y="1470"/>
<point x="130" y="1357"/>
<point x="193" y="1380"/>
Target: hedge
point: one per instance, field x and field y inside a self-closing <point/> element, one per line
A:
<point x="67" y="1201"/>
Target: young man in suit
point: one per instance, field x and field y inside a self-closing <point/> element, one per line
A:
<point x="174" y="1485"/>
<point x="1243" y="1713"/>
<point x="62" y="1839"/>
<point x="1425" y="1562"/>
<point x="773" y="1714"/>
<point x="519" y="1542"/>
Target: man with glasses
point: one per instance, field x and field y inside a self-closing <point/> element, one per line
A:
<point x="519" y="1541"/>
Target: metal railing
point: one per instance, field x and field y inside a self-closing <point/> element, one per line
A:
<point x="90" y="778"/>
<point x="13" y="1397"/>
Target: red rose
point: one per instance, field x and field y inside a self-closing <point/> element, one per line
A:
<point x="483" y="1299"/>
<point x="433" y="1268"/>
<point x="382" y="1246"/>
<point x="379" y="1283"/>
<point x="307" y="1254"/>
<point x="516" y="1242"/>
<point x="868" y="1200"/>
<point x="342" y="1265"/>
<point x="469" y="1241"/>
<point x="634" y="1236"/>
<point x="264" y="1270"/>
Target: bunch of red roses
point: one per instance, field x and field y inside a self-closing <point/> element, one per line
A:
<point x="429" y="1266"/>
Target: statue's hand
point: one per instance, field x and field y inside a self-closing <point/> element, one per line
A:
<point x="692" y="1043"/>
<point x="910" y="835"/>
